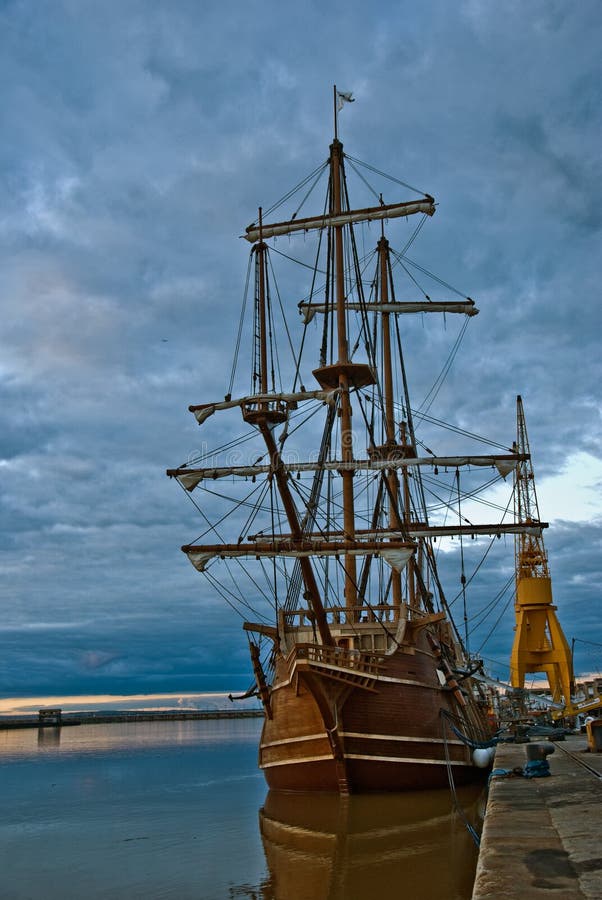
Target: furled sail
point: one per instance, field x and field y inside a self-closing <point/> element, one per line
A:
<point x="204" y="410"/>
<point x="396" y="554"/>
<point x="465" y="307"/>
<point x="397" y="559"/>
<point x="383" y="543"/>
<point x="190" y="478"/>
<point x="391" y="211"/>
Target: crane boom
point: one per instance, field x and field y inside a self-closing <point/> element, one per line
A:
<point x="539" y="641"/>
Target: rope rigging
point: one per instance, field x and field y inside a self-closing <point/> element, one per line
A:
<point x="322" y="503"/>
<point x="425" y="417"/>
<point x="353" y="159"/>
<point x="502" y="613"/>
<point x="316" y="174"/>
<point x="431" y="396"/>
<point x="240" y="327"/>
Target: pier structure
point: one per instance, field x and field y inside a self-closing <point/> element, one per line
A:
<point x="50" y="717"/>
<point x="58" y="718"/>
<point x="541" y="836"/>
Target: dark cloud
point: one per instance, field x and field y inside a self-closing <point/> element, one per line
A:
<point x="138" y="141"/>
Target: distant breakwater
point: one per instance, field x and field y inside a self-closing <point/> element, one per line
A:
<point x="60" y="718"/>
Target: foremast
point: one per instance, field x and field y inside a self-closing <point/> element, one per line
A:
<point x="265" y="415"/>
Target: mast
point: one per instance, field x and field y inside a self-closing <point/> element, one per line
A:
<point x="335" y="111"/>
<point x="265" y="414"/>
<point x="407" y="504"/>
<point x="312" y="590"/>
<point x="392" y="480"/>
<point x="336" y="164"/>
<point x="261" y="253"/>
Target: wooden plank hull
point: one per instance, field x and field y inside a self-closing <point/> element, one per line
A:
<point x="367" y="777"/>
<point x="327" y="733"/>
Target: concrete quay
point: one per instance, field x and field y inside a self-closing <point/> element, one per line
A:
<point x="542" y="837"/>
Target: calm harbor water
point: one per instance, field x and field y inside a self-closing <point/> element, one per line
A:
<point x="179" y="810"/>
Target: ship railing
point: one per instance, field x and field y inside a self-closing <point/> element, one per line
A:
<point x="341" y="657"/>
<point x="344" y="615"/>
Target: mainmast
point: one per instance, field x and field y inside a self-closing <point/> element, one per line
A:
<point x="336" y="165"/>
<point x="261" y="260"/>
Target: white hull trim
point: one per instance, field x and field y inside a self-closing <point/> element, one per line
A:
<point x="406" y="759"/>
<point x="294" y="762"/>
<point x="367" y="758"/>
<point x="356" y="734"/>
<point x="294" y="740"/>
<point x="399" y="737"/>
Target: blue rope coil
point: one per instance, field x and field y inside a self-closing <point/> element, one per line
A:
<point x="537" y="768"/>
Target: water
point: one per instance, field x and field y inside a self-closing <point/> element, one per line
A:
<point x="179" y="810"/>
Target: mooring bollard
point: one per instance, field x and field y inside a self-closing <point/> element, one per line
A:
<point x="537" y="764"/>
<point x="539" y="750"/>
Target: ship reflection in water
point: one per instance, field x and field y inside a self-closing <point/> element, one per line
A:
<point x="326" y="847"/>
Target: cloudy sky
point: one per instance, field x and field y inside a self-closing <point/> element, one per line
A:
<point x="138" y="140"/>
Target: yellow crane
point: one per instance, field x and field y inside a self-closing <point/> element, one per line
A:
<point x="539" y="641"/>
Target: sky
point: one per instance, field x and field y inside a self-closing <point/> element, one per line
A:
<point x="139" y="139"/>
<point x="28" y="706"/>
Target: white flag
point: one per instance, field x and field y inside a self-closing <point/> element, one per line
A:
<point x="344" y="97"/>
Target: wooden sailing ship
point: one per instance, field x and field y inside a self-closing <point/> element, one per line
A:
<point x="364" y="678"/>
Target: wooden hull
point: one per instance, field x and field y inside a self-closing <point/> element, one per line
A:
<point x="331" y="730"/>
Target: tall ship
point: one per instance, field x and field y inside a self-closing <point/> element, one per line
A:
<point x="316" y="500"/>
